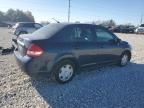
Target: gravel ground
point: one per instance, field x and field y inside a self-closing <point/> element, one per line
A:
<point x="107" y="87"/>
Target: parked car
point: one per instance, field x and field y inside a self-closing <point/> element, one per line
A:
<point x="123" y="29"/>
<point x="140" y="29"/>
<point x="3" y="24"/>
<point x="25" y="28"/>
<point x="60" y="49"/>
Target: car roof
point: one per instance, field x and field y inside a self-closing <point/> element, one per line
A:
<point x="72" y="24"/>
<point x="65" y="24"/>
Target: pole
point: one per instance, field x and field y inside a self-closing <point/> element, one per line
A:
<point x="69" y="10"/>
<point x="141" y="21"/>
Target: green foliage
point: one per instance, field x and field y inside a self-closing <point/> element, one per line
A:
<point x="45" y="22"/>
<point x="108" y="23"/>
<point x="1" y="16"/>
<point x="16" y="16"/>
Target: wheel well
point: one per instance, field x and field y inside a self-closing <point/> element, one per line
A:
<point x="72" y="60"/>
<point x="127" y="52"/>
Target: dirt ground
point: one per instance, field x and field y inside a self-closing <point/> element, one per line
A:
<point x="107" y="87"/>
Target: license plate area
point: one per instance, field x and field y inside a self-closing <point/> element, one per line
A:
<point x="21" y="48"/>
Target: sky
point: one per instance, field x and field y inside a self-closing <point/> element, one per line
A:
<point x="122" y="11"/>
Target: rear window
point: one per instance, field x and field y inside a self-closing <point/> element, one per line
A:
<point x="29" y="25"/>
<point x="48" y="31"/>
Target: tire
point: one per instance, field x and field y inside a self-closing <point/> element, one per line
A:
<point x="64" y="71"/>
<point x="124" y="60"/>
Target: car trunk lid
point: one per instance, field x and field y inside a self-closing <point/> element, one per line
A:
<point x="22" y="45"/>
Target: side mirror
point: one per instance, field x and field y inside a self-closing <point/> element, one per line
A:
<point x="118" y="40"/>
<point x="115" y="41"/>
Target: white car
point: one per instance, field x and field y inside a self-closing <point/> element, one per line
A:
<point x="25" y="28"/>
<point x="140" y="29"/>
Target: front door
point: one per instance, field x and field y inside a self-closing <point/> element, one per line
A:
<point x="109" y="50"/>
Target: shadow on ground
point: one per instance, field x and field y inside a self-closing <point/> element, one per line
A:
<point x="6" y="51"/>
<point x="108" y="87"/>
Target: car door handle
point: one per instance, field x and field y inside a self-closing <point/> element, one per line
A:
<point x="76" y="47"/>
<point x="101" y="46"/>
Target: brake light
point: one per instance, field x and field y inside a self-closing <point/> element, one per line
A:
<point x="34" y="51"/>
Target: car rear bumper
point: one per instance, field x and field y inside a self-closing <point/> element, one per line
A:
<point x="31" y="65"/>
<point x="23" y="62"/>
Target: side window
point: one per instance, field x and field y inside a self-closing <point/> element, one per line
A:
<point x="37" y="26"/>
<point x="103" y="35"/>
<point x="74" y="33"/>
<point x="29" y="25"/>
<point x="66" y="35"/>
<point x="83" y="34"/>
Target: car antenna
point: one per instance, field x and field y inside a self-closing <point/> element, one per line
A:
<point x="55" y="20"/>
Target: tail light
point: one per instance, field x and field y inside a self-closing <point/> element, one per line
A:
<point x="34" y="51"/>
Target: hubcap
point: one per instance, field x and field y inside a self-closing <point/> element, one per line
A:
<point x="66" y="72"/>
<point x="124" y="60"/>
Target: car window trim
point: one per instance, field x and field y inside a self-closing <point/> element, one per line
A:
<point x="113" y="35"/>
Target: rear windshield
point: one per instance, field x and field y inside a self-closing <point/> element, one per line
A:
<point x="48" y="31"/>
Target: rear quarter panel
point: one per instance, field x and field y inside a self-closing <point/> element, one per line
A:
<point x="55" y="52"/>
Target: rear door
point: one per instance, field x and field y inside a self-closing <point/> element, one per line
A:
<point x="109" y="49"/>
<point x="85" y="45"/>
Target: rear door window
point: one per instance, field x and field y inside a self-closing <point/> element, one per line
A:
<point x="67" y="34"/>
<point x="84" y="33"/>
<point x="29" y="25"/>
<point x="75" y="33"/>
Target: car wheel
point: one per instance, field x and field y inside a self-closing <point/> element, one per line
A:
<point x="64" y="71"/>
<point x="125" y="58"/>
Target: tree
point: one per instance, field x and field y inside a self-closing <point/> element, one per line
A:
<point x="108" y="23"/>
<point x="10" y="15"/>
<point x="77" y="22"/>
<point x="112" y="23"/>
<point x="19" y="16"/>
<point x="45" y="22"/>
<point x="2" y="16"/>
<point x="30" y="16"/>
